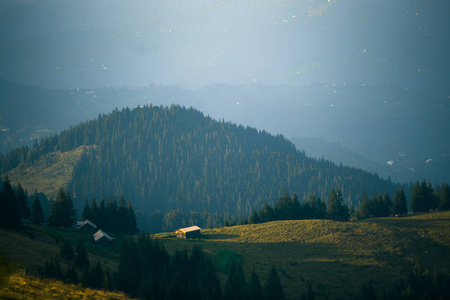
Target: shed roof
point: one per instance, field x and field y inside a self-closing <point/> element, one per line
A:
<point x="82" y="223"/>
<point x="99" y="234"/>
<point x="190" y="229"/>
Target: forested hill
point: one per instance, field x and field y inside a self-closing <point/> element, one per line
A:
<point x="166" y="158"/>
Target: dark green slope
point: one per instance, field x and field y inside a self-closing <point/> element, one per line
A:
<point x="164" y="158"/>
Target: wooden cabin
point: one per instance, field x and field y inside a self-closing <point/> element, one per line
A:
<point x="101" y="238"/>
<point x="86" y="226"/>
<point x="188" y="232"/>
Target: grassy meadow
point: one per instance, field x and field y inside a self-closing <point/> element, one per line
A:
<point x="337" y="258"/>
<point x="22" y="286"/>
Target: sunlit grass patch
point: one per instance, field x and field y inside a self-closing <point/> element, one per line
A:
<point x="22" y="286"/>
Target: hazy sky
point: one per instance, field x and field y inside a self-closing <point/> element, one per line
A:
<point x="196" y="43"/>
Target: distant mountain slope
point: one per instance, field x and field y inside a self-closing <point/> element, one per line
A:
<point x="378" y="123"/>
<point x="164" y="158"/>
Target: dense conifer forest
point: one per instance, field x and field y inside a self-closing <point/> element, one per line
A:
<point x="175" y="158"/>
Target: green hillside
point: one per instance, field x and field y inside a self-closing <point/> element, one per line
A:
<point x="337" y="258"/>
<point x="169" y="158"/>
<point x="22" y="286"/>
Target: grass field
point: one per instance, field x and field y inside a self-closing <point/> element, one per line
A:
<point x="337" y="258"/>
<point x="22" y="286"/>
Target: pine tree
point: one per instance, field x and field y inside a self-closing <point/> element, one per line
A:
<point x="9" y="209"/>
<point x="337" y="211"/>
<point x="254" y="290"/>
<point x="235" y="287"/>
<point x="364" y="211"/>
<point x="266" y="214"/>
<point x="66" y="251"/>
<point x="131" y="224"/>
<point x="62" y="212"/>
<point x="81" y="257"/>
<point x="93" y="212"/>
<point x="422" y="197"/>
<point x="387" y="205"/>
<point x="254" y="218"/>
<point x="273" y="290"/>
<point x="22" y="202"/>
<point x="37" y="215"/>
<point x="86" y="215"/>
<point x="444" y="203"/>
<point x="399" y="206"/>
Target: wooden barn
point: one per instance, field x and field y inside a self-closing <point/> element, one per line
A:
<point x="101" y="238"/>
<point x="86" y="226"/>
<point x="188" y="232"/>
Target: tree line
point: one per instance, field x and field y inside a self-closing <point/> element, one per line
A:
<point x="109" y="215"/>
<point x="288" y="207"/>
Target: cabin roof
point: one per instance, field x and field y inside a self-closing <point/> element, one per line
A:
<point x="86" y="222"/>
<point x="99" y="234"/>
<point x="189" y="229"/>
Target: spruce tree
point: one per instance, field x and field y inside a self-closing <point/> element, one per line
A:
<point x="81" y="257"/>
<point x="235" y="287"/>
<point x="399" y="206"/>
<point x="62" y="212"/>
<point x="66" y="251"/>
<point x="37" y="215"/>
<point x="86" y="215"/>
<point x="9" y="209"/>
<point x="254" y="290"/>
<point x="387" y="205"/>
<point x="254" y="218"/>
<point x="337" y="211"/>
<point x="421" y="198"/>
<point x="22" y="202"/>
<point x="131" y="224"/>
<point x="266" y="214"/>
<point x="273" y="290"/>
<point x="364" y="211"/>
<point x="93" y="212"/>
<point x="444" y="203"/>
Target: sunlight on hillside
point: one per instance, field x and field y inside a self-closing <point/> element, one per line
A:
<point x="22" y="286"/>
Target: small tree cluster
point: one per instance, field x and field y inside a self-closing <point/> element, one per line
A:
<point x="237" y="287"/>
<point x="62" y="212"/>
<point x="10" y="216"/>
<point x="289" y="208"/>
<point x="423" y="198"/>
<point x="14" y="207"/>
<point x="111" y="216"/>
<point x="378" y="206"/>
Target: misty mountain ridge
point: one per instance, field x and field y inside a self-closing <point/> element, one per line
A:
<point x="362" y="126"/>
